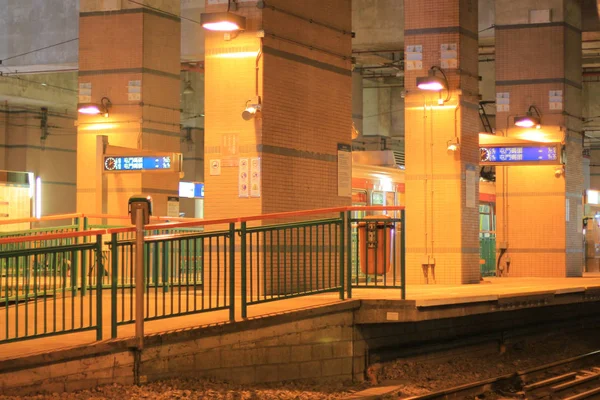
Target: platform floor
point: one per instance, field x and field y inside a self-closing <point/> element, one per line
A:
<point x="423" y="295"/>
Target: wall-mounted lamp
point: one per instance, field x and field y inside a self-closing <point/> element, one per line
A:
<point x="559" y="171"/>
<point x="251" y="110"/>
<point x="223" y="22"/>
<point x="432" y="81"/>
<point x="453" y="145"/>
<point x="529" y="120"/>
<point x="94" y="108"/>
<point x="188" y="88"/>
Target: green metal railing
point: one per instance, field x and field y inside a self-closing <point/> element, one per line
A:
<point x="185" y="273"/>
<point x="57" y="287"/>
<point x="41" y="232"/>
<point x="290" y="260"/>
<point x="377" y="255"/>
<point x="487" y="253"/>
<point x="47" y="291"/>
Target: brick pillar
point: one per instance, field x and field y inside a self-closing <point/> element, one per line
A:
<point x="301" y="72"/>
<point x="442" y="186"/>
<point x="131" y="55"/>
<point x="538" y="62"/>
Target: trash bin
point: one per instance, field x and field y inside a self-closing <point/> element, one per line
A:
<point x="375" y="244"/>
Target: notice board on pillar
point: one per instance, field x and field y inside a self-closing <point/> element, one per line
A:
<point x="344" y="170"/>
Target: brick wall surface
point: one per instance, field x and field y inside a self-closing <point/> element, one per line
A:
<point x="538" y="213"/>
<point x="442" y="228"/>
<point x="70" y="376"/>
<point x="319" y="348"/>
<point x="145" y="47"/>
<point x="306" y="100"/>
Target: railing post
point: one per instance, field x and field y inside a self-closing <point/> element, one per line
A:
<point x="114" y="255"/>
<point x="232" y="271"/>
<point x="99" y="273"/>
<point x="403" y="254"/>
<point x="349" y="252"/>
<point x="243" y="264"/>
<point x="139" y="279"/>
<point x="342" y="254"/>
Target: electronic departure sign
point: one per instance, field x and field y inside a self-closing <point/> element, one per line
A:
<point x="539" y="154"/>
<point x="141" y="163"/>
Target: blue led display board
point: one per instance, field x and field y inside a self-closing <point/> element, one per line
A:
<point x="137" y="163"/>
<point x="520" y="155"/>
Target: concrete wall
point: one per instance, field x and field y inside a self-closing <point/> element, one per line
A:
<point x="591" y="110"/>
<point x="310" y="345"/>
<point x="27" y="25"/>
<point x="32" y="24"/>
<point x="378" y="24"/>
<point x="75" y="369"/>
<point x="317" y="348"/>
<point x="383" y="108"/>
<point x="192" y="34"/>
<point x="52" y="158"/>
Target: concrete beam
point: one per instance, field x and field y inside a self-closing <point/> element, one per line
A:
<point x="55" y="91"/>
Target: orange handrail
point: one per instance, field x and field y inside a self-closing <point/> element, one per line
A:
<point x="195" y="222"/>
<point x="41" y="219"/>
<point x="53" y="236"/>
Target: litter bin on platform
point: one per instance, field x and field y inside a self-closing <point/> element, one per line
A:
<point x="375" y="244"/>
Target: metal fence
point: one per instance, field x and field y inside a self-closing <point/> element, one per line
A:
<point x="185" y="273"/>
<point x="42" y="233"/>
<point x="377" y="255"/>
<point x="289" y="260"/>
<point x="49" y="290"/>
<point x="194" y="267"/>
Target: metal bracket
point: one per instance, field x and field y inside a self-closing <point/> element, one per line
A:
<point x="371" y="235"/>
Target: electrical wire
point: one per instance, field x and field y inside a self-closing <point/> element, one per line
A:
<point x="36" y="50"/>
<point x="165" y="12"/>
<point x="39" y="83"/>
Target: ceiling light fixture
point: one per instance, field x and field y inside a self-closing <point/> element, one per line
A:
<point x="223" y="22"/>
<point x="94" y="108"/>
<point x="529" y="120"/>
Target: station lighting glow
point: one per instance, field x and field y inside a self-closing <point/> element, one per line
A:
<point x="223" y="22"/>
<point x="94" y="108"/>
<point x="432" y="82"/>
<point x="453" y="145"/>
<point x="89" y="109"/>
<point x="529" y="120"/>
<point x="38" y="197"/>
<point x="241" y="54"/>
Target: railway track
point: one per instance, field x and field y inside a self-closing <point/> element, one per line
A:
<point x="574" y="378"/>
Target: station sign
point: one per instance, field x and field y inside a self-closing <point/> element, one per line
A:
<point x="141" y="163"/>
<point x="191" y="190"/>
<point x="522" y="154"/>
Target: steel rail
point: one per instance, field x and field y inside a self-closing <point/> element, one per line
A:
<point x="480" y="387"/>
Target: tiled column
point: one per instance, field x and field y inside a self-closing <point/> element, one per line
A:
<point x="441" y="185"/>
<point x="302" y="73"/>
<point x="130" y="54"/>
<point x="538" y="63"/>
